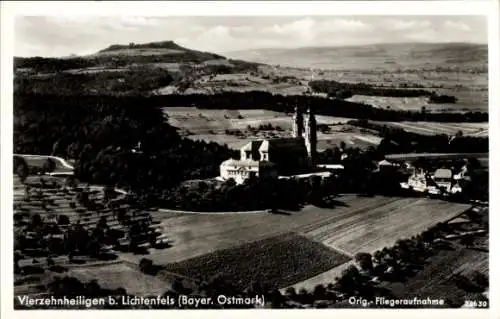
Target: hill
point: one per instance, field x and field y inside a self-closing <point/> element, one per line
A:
<point x="123" y="69"/>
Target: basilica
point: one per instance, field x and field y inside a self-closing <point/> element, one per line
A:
<point x="279" y="156"/>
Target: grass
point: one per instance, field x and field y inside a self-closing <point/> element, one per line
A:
<point x="276" y="261"/>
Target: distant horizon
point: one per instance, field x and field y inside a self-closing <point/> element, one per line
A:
<point x="62" y="36"/>
<point x="356" y="45"/>
<point x="268" y="48"/>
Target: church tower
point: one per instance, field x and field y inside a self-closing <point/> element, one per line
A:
<point x="298" y="123"/>
<point x="310" y="135"/>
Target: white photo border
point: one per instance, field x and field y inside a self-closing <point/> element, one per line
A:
<point x="10" y="9"/>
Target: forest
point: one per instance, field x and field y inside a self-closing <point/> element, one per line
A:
<point x="103" y="138"/>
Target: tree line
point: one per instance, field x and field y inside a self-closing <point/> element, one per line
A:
<point x="344" y="90"/>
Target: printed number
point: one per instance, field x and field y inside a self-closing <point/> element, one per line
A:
<point x="476" y="304"/>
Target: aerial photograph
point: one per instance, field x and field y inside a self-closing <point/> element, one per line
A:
<point x="242" y="162"/>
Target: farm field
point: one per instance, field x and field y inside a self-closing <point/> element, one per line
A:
<point x="467" y="101"/>
<point x="455" y="69"/>
<point x="211" y="125"/>
<point x="277" y="261"/>
<point x="431" y="128"/>
<point x="435" y="280"/>
<point x="241" y="82"/>
<point x="219" y="126"/>
<point x="120" y="275"/>
<point x="355" y="224"/>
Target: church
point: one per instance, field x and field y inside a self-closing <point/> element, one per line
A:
<point x="279" y="156"/>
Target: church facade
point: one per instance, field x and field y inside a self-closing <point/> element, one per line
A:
<point x="279" y="156"/>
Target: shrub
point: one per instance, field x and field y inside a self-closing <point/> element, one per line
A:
<point x="146" y="266"/>
<point x="291" y="293"/>
<point x="481" y="279"/>
<point x="63" y="220"/>
<point x="364" y="261"/>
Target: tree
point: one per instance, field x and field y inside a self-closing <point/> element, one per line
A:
<point x="364" y="261"/>
<point x="36" y="220"/>
<point x="343" y="146"/>
<point x="50" y="262"/>
<point x="276" y="299"/>
<point x="146" y="265"/>
<point x="377" y="256"/>
<point x="71" y="182"/>
<point x="55" y="147"/>
<point x="109" y="193"/>
<point x="481" y="279"/>
<point x="319" y="292"/>
<point x="18" y="256"/>
<point x="291" y="293"/>
<point x="22" y="172"/>
<point x="467" y="241"/>
<point x="348" y="281"/>
<point x="304" y="297"/>
<point x="63" y="220"/>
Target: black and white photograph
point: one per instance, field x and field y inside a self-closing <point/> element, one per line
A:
<point x="240" y="161"/>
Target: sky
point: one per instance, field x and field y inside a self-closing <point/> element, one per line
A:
<point x="62" y="36"/>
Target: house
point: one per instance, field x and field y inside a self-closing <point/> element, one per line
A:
<point x="443" y="178"/>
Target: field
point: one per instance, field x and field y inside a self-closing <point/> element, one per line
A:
<point x="435" y="280"/>
<point x="473" y="101"/>
<point x="355" y="224"/>
<point x="211" y="125"/>
<point x="241" y="82"/>
<point x="428" y="128"/>
<point x="121" y="275"/>
<point x="221" y="126"/>
<point x="277" y="261"/>
<point x="452" y="69"/>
